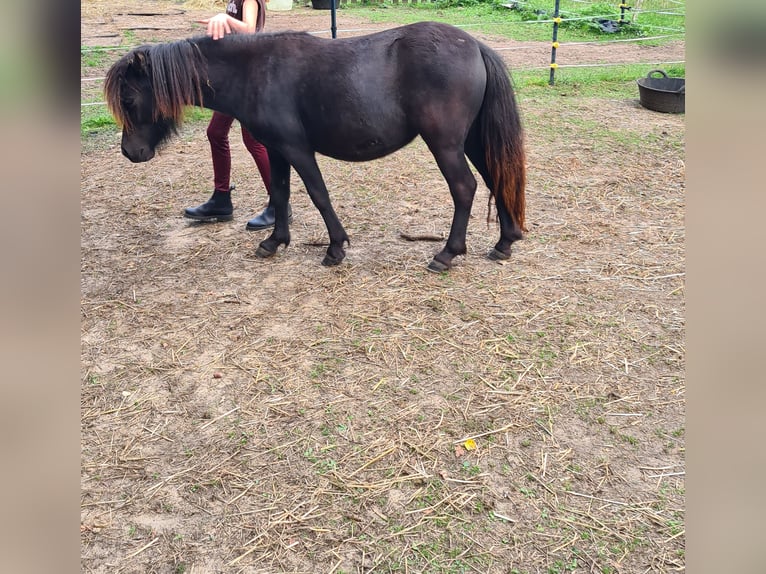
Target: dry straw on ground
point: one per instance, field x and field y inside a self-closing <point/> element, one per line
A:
<point x="241" y="415"/>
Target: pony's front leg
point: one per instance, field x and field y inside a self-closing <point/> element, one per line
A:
<point x="279" y="198"/>
<point x="308" y="170"/>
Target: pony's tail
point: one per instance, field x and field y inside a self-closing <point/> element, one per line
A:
<point x="503" y="137"/>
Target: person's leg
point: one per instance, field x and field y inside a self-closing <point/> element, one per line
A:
<point x="219" y="206"/>
<point x="261" y="157"/>
<point x="266" y="218"/>
<point x="218" y="136"/>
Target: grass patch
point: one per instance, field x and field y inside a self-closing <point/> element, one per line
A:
<point x="96" y="121"/>
<point x="613" y="82"/>
<point x="95" y="57"/>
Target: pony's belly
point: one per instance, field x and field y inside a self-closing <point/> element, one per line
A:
<point x="358" y="132"/>
<point x="362" y="151"/>
<point x="365" y="147"/>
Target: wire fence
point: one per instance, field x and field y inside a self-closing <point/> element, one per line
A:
<point x="612" y="20"/>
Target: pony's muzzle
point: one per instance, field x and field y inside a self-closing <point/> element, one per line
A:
<point x="140" y="155"/>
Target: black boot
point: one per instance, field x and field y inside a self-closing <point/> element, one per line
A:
<point x="267" y="218"/>
<point x="217" y="208"/>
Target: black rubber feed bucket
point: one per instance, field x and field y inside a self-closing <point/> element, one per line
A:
<point x="663" y="94"/>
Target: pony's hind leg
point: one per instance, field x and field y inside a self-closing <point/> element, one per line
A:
<point x="462" y="186"/>
<point x="509" y="233"/>
<point x="509" y="230"/>
<point x="279" y="198"/>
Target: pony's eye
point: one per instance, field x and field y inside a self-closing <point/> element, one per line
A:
<point x="129" y="106"/>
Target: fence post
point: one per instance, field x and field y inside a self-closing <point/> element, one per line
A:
<point x="554" y="42"/>
<point x="623" y="8"/>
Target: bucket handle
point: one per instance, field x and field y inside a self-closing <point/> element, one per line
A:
<point x="664" y="75"/>
<point x="681" y="90"/>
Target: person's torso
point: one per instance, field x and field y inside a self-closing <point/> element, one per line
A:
<point x="234" y="8"/>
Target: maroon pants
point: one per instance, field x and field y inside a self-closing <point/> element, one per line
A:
<point x="218" y="136"/>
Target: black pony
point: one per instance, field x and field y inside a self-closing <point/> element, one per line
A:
<point x="353" y="99"/>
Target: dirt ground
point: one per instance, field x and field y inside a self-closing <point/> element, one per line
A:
<point x="242" y="415"/>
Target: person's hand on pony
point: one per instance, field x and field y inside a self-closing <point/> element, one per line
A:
<point x="218" y="26"/>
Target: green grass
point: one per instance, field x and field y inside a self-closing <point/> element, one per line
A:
<point x="93" y="121"/>
<point x="613" y="82"/>
<point x="94" y="118"/>
<point x="94" y="57"/>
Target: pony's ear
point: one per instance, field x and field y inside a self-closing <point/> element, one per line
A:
<point x="138" y="60"/>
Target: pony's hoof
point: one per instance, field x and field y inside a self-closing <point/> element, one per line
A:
<point x="496" y="255"/>
<point x="263" y="253"/>
<point x="437" y="266"/>
<point x="331" y="261"/>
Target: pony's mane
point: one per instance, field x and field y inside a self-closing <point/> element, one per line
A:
<point x="176" y="70"/>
